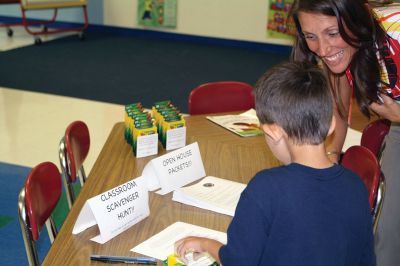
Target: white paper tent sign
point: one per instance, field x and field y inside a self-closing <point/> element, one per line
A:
<point x="175" y="169"/>
<point x="115" y="210"/>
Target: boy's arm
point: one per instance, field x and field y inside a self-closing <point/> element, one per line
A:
<point x="335" y="141"/>
<point x="197" y="245"/>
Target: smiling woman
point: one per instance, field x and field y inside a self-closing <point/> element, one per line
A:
<point x="323" y="39"/>
<point x="360" y="53"/>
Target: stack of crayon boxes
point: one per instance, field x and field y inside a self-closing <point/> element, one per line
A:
<point x="168" y="117"/>
<point x="138" y="122"/>
<point x="142" y="128"/>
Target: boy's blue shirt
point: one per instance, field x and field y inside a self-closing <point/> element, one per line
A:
<point x="297" y="215"/>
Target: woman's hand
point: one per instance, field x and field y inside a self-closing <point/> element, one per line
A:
<point x="388" y="109"/>
<point x="197" y="245"/>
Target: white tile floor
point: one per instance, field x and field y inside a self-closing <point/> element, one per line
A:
<point x="21" y="38"/>
<point x="32" y="124"/>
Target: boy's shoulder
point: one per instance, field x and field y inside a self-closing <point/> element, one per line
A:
<point x="288" y="175"/>
<point x="273" y="178"/>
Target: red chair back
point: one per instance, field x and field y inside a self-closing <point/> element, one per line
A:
<point x="218" y="97"/>
<point x="77" y="144"/>
<point x="374" y="134"/>
<point x="365" y="164"/>
<point x="42" y="192"/>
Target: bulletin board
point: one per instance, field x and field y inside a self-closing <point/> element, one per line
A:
<point x="278" y="24"/>
<point x="157" y="13"/>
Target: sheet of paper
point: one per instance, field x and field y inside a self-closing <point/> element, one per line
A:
<point x="176" y="138"/>
<point x="251" y="112"/>
<point x="245" y="124"/>
<point x="161" y="245"/>
<point x="211" y="193"/>
<point x="147" y="145"/>
<point x="115" y="210"/>
<point x="353" y="137"/>
<point x="178" y="168"/>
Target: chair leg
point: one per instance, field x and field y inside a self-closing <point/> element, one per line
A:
<point x="30" y="247"/>
<point x="380" y="152"/>
<point x="63" y="163"/>
<point x="51" y="229"/>
<point x="379" y="203"/>
<point x="71" y="194"/>
<point x="82" y="175"/>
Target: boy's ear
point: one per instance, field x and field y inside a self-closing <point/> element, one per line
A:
<point x="333" y="125"/>
<point x="273" y="131"/>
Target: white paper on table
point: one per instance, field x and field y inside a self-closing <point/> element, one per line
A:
<point x="176" y="138"/>
<point x="211" y="193"/>
<point x="353" y="137"/>
<point x="245" y="124"/>
<point x="150" y="175"/>
<point x="147" y="145"/>
<point x="161" y="245"/>
<point x="251" y="112"/>
<point x="115" y="210"/>
<point x="178" y="168"/>
<point x="174" y="169"/>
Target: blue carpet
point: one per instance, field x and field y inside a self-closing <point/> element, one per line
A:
<point x="142" y="69"/>
<point x="12" y="250"/>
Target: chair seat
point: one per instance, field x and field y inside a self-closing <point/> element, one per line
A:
<point x="36" y="203"/>
<point x="373" y="135"/>
<point x="223" y="96"/>
<point x="364" y="163"/>
<point x="73" y="150"/>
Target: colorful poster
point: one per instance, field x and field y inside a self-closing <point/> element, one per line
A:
<point x="278" y="24"/>
<point x="157" y="13"/>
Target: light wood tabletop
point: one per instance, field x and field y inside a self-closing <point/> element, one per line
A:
<point x="224" y="154"/>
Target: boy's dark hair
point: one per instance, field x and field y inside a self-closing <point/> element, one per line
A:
<point x="296" y="96"/>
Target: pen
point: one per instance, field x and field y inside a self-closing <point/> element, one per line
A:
<point x="124" y="259"/>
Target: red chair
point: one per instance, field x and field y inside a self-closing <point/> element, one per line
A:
<point x="73" y="150"/>
<point x="364" y="163"/>
<point x="374" y="134"/>
<point x="218" y="97"/>
<point x="36" y="202"/>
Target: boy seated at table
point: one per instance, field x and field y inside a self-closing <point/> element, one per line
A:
<point x="309" y="211"/>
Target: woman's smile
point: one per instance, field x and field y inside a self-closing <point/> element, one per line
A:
<point x="322" y="35"/>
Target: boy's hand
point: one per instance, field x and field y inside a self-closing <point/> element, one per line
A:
<point x="189" y="244"/>
<point x="197" y="245"/>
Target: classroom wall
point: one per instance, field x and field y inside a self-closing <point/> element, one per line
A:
<point x="228" y="19"/>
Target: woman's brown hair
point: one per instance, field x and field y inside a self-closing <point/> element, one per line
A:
<point x="366" y="35"/>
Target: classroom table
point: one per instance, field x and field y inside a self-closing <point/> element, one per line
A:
<point x="224" y="154"/>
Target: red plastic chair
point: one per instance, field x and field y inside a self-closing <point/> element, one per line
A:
<point x="73" y="150"/>
<point x="374" y="134"/>
<point x="36" y="202"/>
<point x="364" y="163"/>
<point x="218" y="97"/>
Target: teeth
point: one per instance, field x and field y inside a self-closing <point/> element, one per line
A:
<point x="334" y="57"/>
